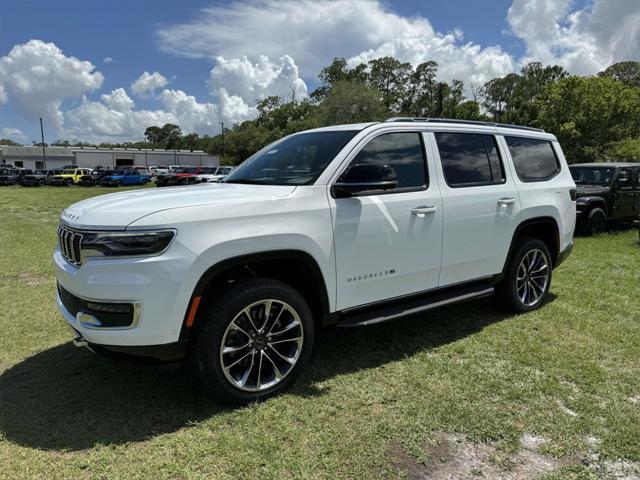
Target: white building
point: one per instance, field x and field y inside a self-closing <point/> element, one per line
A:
<point x="91" y="157"/>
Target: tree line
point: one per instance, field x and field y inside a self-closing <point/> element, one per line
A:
<point x="596" y="118"/>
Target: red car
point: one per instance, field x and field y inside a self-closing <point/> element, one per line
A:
<point x="180" y="176"/>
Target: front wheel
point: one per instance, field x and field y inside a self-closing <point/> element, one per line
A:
<point x="596" y="222"/>
<point x="252" y="341"/>
<point x="69" y="182"/>
<point x="527" y="278"/>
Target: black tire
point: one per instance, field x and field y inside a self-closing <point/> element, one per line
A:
<point x="118" y="183"/>
<point x="507" y="291"/>
<point x="596" y="222"/>
<point x="41" y="183"/>
<point x="217" y="316"/>
<point x="69" y="182"/>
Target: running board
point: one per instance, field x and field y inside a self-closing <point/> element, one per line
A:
<point x="410" y="307"/>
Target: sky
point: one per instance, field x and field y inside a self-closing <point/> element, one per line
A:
<point x="104" y="70"/>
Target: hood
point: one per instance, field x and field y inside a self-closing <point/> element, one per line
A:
<point x="585" y="190"/>
<point x="117" y="210"/>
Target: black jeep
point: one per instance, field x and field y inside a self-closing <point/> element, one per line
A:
<point x="607" y="193"/>
<point x="37" y="178"/>
<point x="9" y="176"/>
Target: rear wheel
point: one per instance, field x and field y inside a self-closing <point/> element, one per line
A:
<point x="596" y="222"/>
<point x="252" y="342"/>
<point x="528" y="276"/>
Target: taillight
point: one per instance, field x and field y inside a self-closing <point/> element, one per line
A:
<point x="574" y="194"/>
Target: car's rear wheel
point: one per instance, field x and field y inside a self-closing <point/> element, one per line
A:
<point x="527" y="278"/>
<point x="251" y="343"/>
<point x="596" y="222"/>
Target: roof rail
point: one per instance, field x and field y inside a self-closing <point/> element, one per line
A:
<point x="465" y="122"/>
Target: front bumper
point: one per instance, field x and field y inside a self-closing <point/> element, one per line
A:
<point x="154" y="284"/>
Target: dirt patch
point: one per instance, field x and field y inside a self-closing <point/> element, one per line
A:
<point x="26" y="278"/>
<point x="453" y="456"/>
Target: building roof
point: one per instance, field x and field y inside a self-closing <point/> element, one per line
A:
<point x="34" y="151"/>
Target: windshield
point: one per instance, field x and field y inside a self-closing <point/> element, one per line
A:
<point x="68" y="172"/>
<point x="185" y="170"/>
<point x="41" y="172"/>
<point x="592" y="175"/>
<point x="296" y="160"/>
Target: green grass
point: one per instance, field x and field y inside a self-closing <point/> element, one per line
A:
<point x="566" y="373"/>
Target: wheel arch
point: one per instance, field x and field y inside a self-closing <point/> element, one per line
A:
<point x="544" y="228"/>
<point x="291" y="266"/>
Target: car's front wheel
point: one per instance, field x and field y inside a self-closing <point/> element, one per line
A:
<point x="527" y="278"/>
<point x="69" y="182"/>
<point x="596" y="222"/>
<point x="252" y="341"/>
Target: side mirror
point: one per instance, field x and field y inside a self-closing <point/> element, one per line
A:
<point x="365" y="178"/>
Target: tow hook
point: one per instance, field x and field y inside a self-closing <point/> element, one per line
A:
<point x="79" y="341"/>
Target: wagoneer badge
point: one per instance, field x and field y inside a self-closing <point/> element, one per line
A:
<point x="69" y="216"/>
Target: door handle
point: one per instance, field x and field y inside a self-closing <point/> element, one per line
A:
<point x="506" y="201"/>
<point x="423" y="210"/>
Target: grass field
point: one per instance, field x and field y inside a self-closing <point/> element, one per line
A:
<point x="465" y="391"/>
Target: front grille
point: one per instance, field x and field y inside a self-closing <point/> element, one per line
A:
<point x="70" y="243"/>
<point x="123" y="318"/>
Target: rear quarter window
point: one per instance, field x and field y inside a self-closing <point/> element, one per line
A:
<point x="535" y="160"/>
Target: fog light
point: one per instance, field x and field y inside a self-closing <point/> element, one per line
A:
<point x="109" y="307"/>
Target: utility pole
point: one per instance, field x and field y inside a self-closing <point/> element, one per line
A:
<point x="44" y="155"/>
<point x="222" y="124"/>
<point x="146" y="160"/>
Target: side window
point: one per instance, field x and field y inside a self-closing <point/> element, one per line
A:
<point x="403" y="152"/>
<point x="534" y="159"/>
<point x="470" y="159"/>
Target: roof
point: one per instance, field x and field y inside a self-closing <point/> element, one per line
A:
<point x="35" y="151"/>
<point x="606" y="164"/>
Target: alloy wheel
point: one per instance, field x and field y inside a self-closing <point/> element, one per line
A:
<point x="533" y="277"/>
<point x="261" y="345"/>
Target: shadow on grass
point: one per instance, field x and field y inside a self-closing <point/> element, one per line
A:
<point x="69" y="399"/>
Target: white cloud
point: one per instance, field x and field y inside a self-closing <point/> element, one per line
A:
<point x="12" y="133"/>
<point x="38" y="76"/>
<point x="584" y="41"/>
<point x="313" y="33"/>
<point x="252" y="81"/>
<point x="118" y="100"/>
<point x="107" y="60"/>
<point x="147" y="84"/>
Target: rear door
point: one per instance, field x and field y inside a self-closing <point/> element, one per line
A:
<point x="480" y="204"/>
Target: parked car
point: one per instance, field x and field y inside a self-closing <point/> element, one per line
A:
<point x="348" y="225"/>
<point x="222" y="173"/>
<point x="37" y="178"/>
<point x="9" y="176"/>
<point x="179" y="176"/>
<point x="124" y="178"/>
<point x="607" y="193"/>
<point x="207" y="174"/>
<point x="69" y="176"/>
<point x="95" y="177"/>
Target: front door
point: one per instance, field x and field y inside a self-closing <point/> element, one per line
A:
<point x="625" y="198"/>
<point x="389" y="244"/>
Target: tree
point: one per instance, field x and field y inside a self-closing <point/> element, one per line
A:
<point x="351" y="102"/>
<point x="590" y="116"/>
<point x="625" y="72"/>
<point x="9" y="142"/>
<point x="153" y="135"/>
<point x="170" y="136"/>
<point x="391" y="78"/>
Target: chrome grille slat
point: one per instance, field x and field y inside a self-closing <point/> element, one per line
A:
<point x="70" y="244"/>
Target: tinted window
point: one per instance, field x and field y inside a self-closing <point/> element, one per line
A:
<point x="469" y="159"/>
<point x="534" y="159"/>
<point x="401" y="151"/>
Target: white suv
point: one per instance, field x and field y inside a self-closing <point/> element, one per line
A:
<point x="348" y="225"/>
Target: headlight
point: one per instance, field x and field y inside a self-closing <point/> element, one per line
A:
<point x="104" y="244"/>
